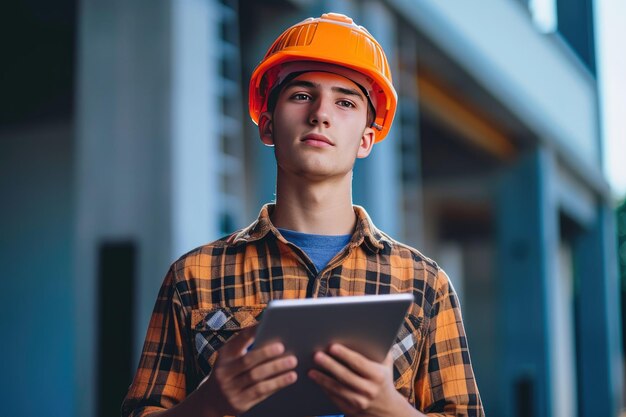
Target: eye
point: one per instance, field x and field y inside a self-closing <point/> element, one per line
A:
<point x="301" y="97"/>
<point x="346" y="103"/>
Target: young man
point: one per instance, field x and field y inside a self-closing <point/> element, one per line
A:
<point x="322" y="97"/>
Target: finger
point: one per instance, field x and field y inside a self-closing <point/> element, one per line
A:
<point x="339" y="394"/>
<point x="341" y="373"/>
<point x="256" y="357"/>
<point x="238" y="345"/>
<point x="354" y="360"/>
<point x="268" y="370"/>
<point x="256" y="393"/>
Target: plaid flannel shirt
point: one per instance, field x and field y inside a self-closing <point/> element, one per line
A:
<point x="212" y="292"/>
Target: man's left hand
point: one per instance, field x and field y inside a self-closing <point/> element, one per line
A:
<point x="358" y="386"/>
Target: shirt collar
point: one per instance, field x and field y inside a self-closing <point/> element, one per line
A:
<point x="364" y="233"/>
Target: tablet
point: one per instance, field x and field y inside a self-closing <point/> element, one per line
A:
<point x="367" y="324"/>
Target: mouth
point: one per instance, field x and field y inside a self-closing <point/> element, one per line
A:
<point x="315" y="139"/>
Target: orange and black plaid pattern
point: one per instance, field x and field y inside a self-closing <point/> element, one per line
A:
<point x="212" y="292"/>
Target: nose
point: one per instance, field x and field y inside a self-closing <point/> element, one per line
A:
<point x="320" y="112"/>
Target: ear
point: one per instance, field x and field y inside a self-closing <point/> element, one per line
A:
<point x="367" y="142"/>
<point x="266" y="129"/>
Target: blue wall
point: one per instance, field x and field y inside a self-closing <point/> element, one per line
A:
<point x="36" y="294"/>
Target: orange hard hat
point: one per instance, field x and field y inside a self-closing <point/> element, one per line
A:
<point x="332" y="41"/>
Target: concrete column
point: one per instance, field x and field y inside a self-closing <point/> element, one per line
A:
<point x="196" y="123"/>
<point x="527" y="233"/>
<point x="599" y="340"/>
<point x="145" y="150"/>
<point x="377" y="178"/>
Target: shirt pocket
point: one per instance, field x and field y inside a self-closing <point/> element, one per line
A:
<point x="214" y="327"/>
<point x="404" y="351"/>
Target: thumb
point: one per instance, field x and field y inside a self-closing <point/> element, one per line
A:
<point x="389" y="359"/>
<point x="239" y="344"/>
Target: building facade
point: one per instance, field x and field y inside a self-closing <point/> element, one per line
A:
<point x="492" y="168"/>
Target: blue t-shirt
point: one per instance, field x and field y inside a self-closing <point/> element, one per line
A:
<point x="320" y="248"/>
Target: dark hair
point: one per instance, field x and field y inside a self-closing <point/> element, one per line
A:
<point x="272" y="98"/>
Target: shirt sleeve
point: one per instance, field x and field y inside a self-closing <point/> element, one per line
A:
<point x="161" y="380"/>
<point x="445" y="383"/>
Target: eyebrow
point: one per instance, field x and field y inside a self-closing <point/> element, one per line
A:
<point x="342" y="90"/>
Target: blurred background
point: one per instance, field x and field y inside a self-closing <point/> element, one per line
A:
<point x="125" y="142"/>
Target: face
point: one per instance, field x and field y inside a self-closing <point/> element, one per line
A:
<point x="318" y="126"/>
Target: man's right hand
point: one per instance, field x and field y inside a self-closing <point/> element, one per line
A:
<point x="241" y="379"/>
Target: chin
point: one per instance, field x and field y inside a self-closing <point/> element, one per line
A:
<point x="317" y="175"/>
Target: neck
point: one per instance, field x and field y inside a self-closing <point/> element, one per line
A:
<point x="323" y="208"/>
